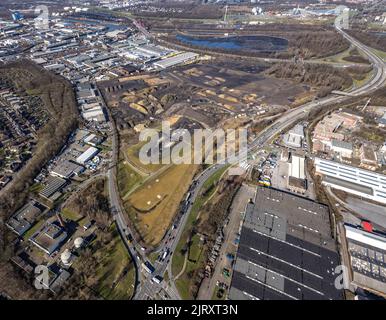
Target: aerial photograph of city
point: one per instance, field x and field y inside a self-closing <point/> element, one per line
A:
<point x="170" y="151"/>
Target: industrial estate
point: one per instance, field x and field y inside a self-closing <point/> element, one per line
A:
<point x="300" y="216"/>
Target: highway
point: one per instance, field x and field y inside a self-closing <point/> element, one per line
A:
<point x="146" y="288"/>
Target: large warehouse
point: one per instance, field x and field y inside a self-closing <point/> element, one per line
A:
<point x="175" y="60"/>
<point x="367" y="250"/>
<point x="286" y="250"/>
<point x="363" y="183"/>
<point x="87" y="155"/>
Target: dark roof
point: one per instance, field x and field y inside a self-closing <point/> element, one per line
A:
<point x="286" y="250"/>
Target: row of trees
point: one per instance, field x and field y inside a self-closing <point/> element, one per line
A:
<point x="325" y="77"/>
<point x="372" y="39"/>
<point x="94" y="203"/>
<point x="317" y="44"/>
<point x="212" y="217"/>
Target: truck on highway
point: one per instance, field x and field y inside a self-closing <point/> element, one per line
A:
<point x="165" y="254"/>
<point x="148" y="267"/>
<point x="157" y="279"/>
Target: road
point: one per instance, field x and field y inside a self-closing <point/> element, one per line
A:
<point x="145" y="287"/>
<point x="118" y="212"/>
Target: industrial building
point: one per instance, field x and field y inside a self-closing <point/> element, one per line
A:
<point x="49" y="237"/>
<point x="296" y="174"/>
<point x="175" y="60"/>
<point x="87" y="155"/>
<point x="96" y="114"/>
<point x="66" y="169"/>
<point x="24" y="218"/>
<point x="368" y="157"/>
<point x="294" y="138"/>
<point x="344" y="149"/>
<point x="54" y="184"/>
<point x="286" y="250"/>
<point x="296" y="167"/>
<point x="367" y="250"/>
<point x="93" y="140"/>
<point x="363" y="183"/>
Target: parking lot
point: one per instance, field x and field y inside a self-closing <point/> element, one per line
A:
<point x="216" y="287"/>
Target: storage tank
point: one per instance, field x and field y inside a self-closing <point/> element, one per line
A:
<point x="66" y="257"/>
<point x="78" y="242"/>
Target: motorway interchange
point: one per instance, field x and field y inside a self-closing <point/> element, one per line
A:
<point x="148" y="282"/>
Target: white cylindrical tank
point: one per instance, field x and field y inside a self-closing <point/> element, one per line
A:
<point x="78" y="242"/>
<point x="66" y="257"/>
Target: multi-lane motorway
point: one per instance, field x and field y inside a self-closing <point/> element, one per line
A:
<point x="146" y="287"/>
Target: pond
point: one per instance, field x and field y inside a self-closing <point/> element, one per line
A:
<point x="237" y="43"/>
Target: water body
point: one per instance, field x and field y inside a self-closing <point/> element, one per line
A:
<point x="237" y="43"/>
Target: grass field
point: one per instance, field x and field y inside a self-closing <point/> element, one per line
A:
<point x="184" y="282"/>
<point x="31" y="231"/>
<point x="339" y="58"/>
<point x="36" y="188"/>
<point x="69" y="214"/>
<point x="381" y="54"/>
<point x="127" y="178"/>
<point x="112" y="282"/>
<point x="153" y="205"/>
<point x="359" y="83"/>
<point x="153" y="257"/>
<point x="133" y="156"/>
<point x="195" y="248"/>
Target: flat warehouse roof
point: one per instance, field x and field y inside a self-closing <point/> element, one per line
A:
<point x="168" y="62"/>
<point x="54" y="184"/>
<point x="66" y="168"/>
<point x="349" y="185"/>
<point x="286" y="250"/>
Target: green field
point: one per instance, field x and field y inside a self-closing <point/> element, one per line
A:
<point x="36" y="188"/>
<point x="127" y="178"/>
<point x="184" y="282"/>
<point x="71" y="215"/>
<point x="195" y="248"/>
<point x="133" y="157"/>
<point x="34" y="228"/>
<point x="153" y="205"/>
<point x="379" y="53"/>
<point x="113" y="284"/>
